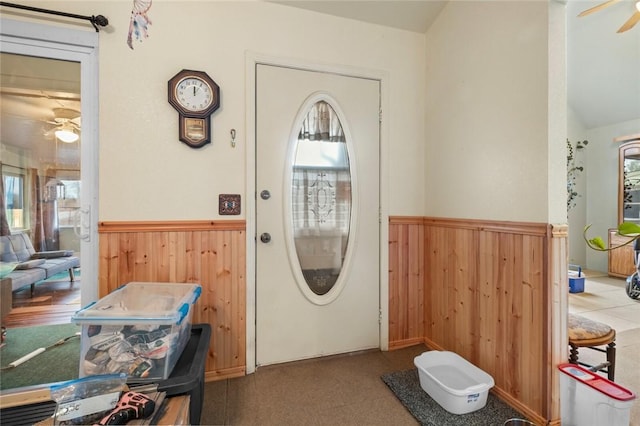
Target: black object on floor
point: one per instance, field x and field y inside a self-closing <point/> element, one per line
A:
<point x="406" y="386"/>
<point x="187" y="377"/>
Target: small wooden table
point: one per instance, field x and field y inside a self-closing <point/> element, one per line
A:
<point x="176" y="411"/>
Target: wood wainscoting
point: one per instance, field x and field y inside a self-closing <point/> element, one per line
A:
<point x="212" y="254"/>
<point x="494" y="292"/>
<point x="489" y="291"/>
<point x="406" y="281"/>
<point x="621" y="261"/>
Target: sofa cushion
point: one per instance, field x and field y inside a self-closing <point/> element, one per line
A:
<point x="22" y="247"/>
<point x="30" y="264"/>
<point x="60" y="264"/>
<point x="25" y="277"/>
<point x="6" y="250"/>
<point x="52" y="254"/>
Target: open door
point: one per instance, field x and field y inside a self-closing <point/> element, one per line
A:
<point x="49" y="83"/>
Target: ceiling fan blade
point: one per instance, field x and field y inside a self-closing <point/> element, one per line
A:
<point x="598" y="7"/>
<point x="630" y="22"/>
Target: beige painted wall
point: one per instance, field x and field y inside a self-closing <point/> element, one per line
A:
<point x="601" y="172"/>
<point x="483" y="108"/>
<point x="147" y="174"/>
<point x="487" y="114"/>
<point x="577" y="216"/>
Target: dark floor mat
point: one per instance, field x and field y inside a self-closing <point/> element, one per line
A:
<point x="406" y="386"/>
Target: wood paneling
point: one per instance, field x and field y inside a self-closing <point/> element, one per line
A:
<point x="489" y="296"/>
<point x="512" y="314"/>
<point x="211" y="254"/>
<point x="621" y="262"/>
<point x="557" y="306"/>
<point x="406" y="282"/>
<point x="494" y="292"/>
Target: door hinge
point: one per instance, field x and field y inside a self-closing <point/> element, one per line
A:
<point x="379" y="316"/>
<point x="380" y="115"/>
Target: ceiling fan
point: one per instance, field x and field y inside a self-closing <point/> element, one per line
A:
<point x="66" y="125"/>
<point x="627" y="25"/>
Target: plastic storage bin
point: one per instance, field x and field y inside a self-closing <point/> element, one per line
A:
<point x="576" y="279"/>
<point x="139" y="329"/>
<point x="187" y="378"/>
<point x="453" y="382"/>
<point x="588" y="399"/>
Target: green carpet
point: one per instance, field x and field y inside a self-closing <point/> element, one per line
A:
<point x="56" y="364"/>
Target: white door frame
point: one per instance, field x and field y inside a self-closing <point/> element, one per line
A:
<point x="251" y="60"/>
<point x="56" y="42"/>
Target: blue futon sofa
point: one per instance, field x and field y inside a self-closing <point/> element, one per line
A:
<point x="32" y="266"/>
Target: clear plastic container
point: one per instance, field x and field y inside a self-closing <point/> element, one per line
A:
<point x="139" y="329"/>
<point x="586" y="399"/>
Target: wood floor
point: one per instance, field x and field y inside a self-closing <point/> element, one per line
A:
<point x="53" y="302"/>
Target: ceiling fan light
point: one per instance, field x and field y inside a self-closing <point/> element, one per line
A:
<point x="638" y="5"/>
<point x="67" y="136"/>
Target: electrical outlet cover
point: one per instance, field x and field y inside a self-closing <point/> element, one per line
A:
<point x="229" y="204"/>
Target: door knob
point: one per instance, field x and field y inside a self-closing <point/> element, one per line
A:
<point x="265" y="237"/>
<point x="265" y="194"/>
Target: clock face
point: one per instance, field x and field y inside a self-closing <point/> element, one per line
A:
<point x="194" y="94"/>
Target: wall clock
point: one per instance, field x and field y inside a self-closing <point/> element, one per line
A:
<point x="195" y="96"/>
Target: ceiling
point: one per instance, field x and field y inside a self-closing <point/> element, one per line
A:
<point x="416" y="15"/>
<point x="32" y="91"/>
<point x="603" y="70"/>
<point x="603" y="67"/>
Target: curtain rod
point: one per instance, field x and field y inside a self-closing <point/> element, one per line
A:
<point x="95" y="20"/>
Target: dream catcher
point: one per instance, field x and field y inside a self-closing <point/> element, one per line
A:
<point x="139" y="21"/>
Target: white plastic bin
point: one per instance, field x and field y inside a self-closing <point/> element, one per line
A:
<point x="453" y="382"/>
<point x="588" y="399"/>
<point x="139" y="329"/>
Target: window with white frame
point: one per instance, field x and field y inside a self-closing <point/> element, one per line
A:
<point x="14" y="199"/>
<point x="68" y="202"/>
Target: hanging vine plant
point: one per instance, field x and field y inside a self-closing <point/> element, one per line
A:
<point x="573" y="171"/>
<point x="626" y="229"/>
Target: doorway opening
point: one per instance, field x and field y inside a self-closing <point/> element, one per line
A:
<point x="49" y="163"/>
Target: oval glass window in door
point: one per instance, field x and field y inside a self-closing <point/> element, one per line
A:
<point x="321" y="198"/>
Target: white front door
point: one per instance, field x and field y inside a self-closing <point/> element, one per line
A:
<point x="317" y="214"/>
